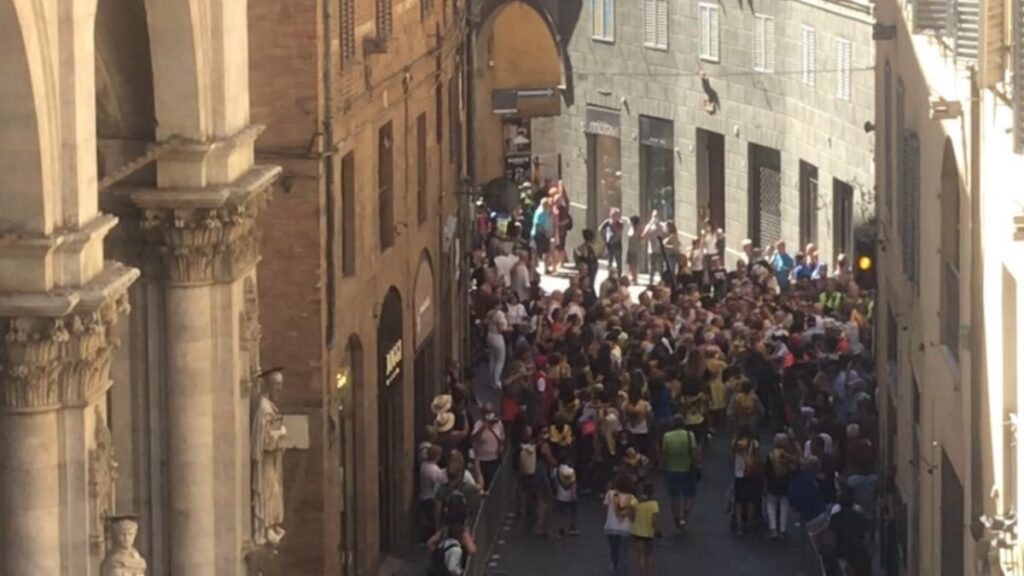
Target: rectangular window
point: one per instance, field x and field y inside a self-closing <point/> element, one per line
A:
<point x="656" y="24"/>
<point x="808" y="204"/>
<point x="421" y="168"/>
<point x="843" y="58"/>
<point x="348" y="31"/>
<point x="949" y="250"/>
<point x="454" y="134"/>
<point x="842" y="217"/>
<point x="348" y="215"/>
<point x="383" y="20"/>
<point x="1018" y="75"/>
<point x="764" y="43"/>
<point x="909" y="195"/>
<point x="603" y="15"/>
<point x="439" y="111"/>
<point x="887" y="134"/>
<point x="426" y="7"/>
<point x="708" y="18"/>
<point x="385" y="187"/>
<point x="808" y="49"/>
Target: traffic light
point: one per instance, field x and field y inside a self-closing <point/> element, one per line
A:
<point x="864" y="264"/>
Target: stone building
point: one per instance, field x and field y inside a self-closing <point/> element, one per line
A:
<point x="950" y="123"/>
<point x="359" y="285"/>
<point x="752" y="115"/>
<point x="124" y="388"/>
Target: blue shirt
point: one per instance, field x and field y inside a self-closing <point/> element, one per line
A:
<point x="661" y="405"/>
<point x="541" y="223"/>
<point x="802" y="272"/>
<point x="804" y="496"/>
<point x="782" y="264"/>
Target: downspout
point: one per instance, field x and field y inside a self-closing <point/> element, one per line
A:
<point x="470" y="87"/>
<point x="979" y="372"/>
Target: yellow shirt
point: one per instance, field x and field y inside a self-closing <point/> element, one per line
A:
<point x="643" y="521"/>
<point x="717" y="367"/>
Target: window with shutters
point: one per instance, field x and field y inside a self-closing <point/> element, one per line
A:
<point x="887" y="145"/>
<point x="949" y="251"/>
<point x="656" y="24"/>
<point x="1018" y="75"/>
<point x="385" y="187"/>
<point x="348" y="31"/>
<point x="603" y="15"/>
<point x="421" y="168"/>
<point x="708" y="20"/>
<point x="383" y="20"/>
<point x="426" y="7"/>
<point x="910" y="192"/>
<point x="764" y="43"/>
<point x="843" y="57"/>
<point x="808" y="47"/>
<point x="965" y="34"/>
<point x="348" y="214"/>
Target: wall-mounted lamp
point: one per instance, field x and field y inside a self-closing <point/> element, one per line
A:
<point x="869" y="127"/>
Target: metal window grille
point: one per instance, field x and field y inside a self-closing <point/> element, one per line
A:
<point x="348" y="30"/>
<point x="771" y="204"/>
<point x="384" y="19"/>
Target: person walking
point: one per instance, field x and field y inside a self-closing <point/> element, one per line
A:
<point x="611" y="231"/>
<point x="633" y="247"/>
<point x="652" y="234"/>
<point x="543" y="229"/>
<point x="488" y="443"/>
<point x="779" y="474"/>
<point x="497" y="328"/>
<point x="682" y="467"/>
<point x="645" y="530"/>
<point x="618" y="525"/>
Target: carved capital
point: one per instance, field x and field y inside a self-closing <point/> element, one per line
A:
<point x="49" y="362"/>
<point x="203" y="236"/>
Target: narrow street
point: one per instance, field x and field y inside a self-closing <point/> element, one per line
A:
<point x="707" y="548"/>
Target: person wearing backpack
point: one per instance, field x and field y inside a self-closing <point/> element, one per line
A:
<point x="449" y="549"/>
<point x="459" y="498"/>
<point x="745" y="408"/>
<point x="682" y="468"/>
<point x="526" y="466"/>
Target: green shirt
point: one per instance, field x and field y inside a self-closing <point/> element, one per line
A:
<point x="678" y="448"/>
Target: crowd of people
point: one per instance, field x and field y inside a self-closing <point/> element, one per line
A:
<point x="612" y="393"/>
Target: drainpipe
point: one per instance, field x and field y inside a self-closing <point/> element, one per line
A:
<point x="469" y="69"/>
<point x="979" y="372"/>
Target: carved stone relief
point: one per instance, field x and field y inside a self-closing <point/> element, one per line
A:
<point x="51" y="362"/>
<point x="102" y="476"/>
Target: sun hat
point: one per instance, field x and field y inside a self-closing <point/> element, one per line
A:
<point x="441" y="403"/>
<point x="444" y="422"/>
<point x="566" y="474"/>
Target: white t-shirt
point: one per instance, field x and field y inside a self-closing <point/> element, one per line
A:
<point x="613" y="524"/>
<point x="828" y="445"/>
<point x="452" y="556"/>
<point x="431" y="476"/>
<point x="697" y="259"/>
<point x="563" y="494"/>
<point x="504" y="265"/>
<point x="497" y="322"/>
<point x="520" y="276"/>
<point x="740" y="460"/>
<point x="517" y="314"/>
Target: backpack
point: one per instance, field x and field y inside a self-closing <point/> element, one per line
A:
<point x="746" y="405"/>
<point x="455" y="508"/>
<point x="528" y="459"/>
<point x="438" y="566"/>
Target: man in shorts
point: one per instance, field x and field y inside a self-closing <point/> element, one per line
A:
<point x="682" y="469"/>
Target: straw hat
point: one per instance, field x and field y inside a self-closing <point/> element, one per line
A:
<point x="566" y="474"/>
<point x="441" y="403"/>
<point x="444" y="422"/>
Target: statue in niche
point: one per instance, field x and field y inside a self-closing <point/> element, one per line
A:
<point x="102" y="475"/>
<point x="267" y="483"/>
<point x="123" y="559"/>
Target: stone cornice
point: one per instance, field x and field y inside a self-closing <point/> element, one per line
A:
<point x="206" y="235"/>
<point x="56" y="349"/>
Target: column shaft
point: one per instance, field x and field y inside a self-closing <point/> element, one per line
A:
<point x="190" y="349"/>
<point x="30" y="495"/>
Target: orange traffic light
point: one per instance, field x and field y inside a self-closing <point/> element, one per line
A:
<point x="864" y="263"/>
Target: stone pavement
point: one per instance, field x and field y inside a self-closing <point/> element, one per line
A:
<point x="708" y="547"/>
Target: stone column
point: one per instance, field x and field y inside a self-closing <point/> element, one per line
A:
<point x="200" y="238"/>
<point x="56" y="359"/>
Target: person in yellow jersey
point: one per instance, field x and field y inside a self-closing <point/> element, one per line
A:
<point x="645" y="530"/>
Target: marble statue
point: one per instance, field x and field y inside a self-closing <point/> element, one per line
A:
<point x="267" y="483"/>
<point x="123" y="559"/>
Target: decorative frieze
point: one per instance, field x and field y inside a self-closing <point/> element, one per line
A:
<point x="46" y="362"/>
<point x="206" y="235"/>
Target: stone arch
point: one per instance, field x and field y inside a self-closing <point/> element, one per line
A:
<point x="390" y="383"/>
<point x="29" y="117"/>
<point x="124" y="72"/>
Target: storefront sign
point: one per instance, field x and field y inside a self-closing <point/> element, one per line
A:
<point x="602" y="122"/>
<point x="393" y="363"/>
<point x="656" y="132"/>
<point x="517" y="168"/>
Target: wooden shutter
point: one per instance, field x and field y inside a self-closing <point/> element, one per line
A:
<point x="966" y="39"/>
<point x="910" y="194"/>
<point x="661" y="28"/>
<point x="650" y="23"/>
<point x="713" y="36"/>
<point x="930" y="16"/>
<point x="992" y="43"/>
<point x="769" y="44"/>
<point x="807" y="54"/>
<point x="759" y="43"/>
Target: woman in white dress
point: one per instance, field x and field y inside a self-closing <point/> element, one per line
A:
<point x="497" y="327"/>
